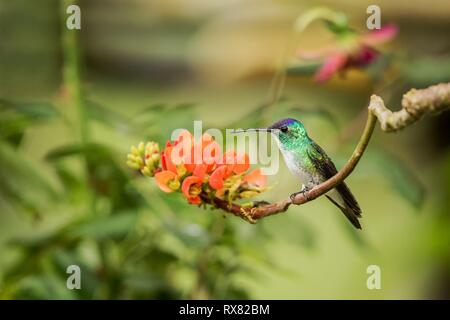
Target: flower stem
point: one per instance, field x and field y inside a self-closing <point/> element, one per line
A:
<point x="71" y="71"/>
<point x="72" y="82"/>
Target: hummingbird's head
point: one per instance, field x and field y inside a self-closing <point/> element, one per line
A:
<point x="288" y="131"/>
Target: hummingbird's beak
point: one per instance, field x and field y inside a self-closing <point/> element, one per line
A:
<point x="252" y="130"/>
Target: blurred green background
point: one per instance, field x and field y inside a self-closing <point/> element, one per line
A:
<point x="150" y="66"/>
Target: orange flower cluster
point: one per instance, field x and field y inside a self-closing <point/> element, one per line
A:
<point x="198" y="167"/>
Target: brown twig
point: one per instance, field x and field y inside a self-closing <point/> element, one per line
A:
<point x="415" y="104"/>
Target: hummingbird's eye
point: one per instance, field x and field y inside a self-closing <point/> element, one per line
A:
<point x="284" y="129"/>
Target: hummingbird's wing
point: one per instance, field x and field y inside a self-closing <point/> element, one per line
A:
<point x="349" y="206"/>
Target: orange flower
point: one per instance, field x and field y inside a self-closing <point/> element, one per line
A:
<point x="192" y="187"/>
<point x="236" y="162"/>
<point x="206" y="138"/>
<point x="188" y="159"/>
<point x="166" y="159"/>
<point x="200" y="171"/>
<point x="232" y="162"/>
<point x="167" y="181"/>
<point x="182" y="169"/>
<point x="211" y="155"/>
<point x="173" y="158"/>
<point x="206" y="151"/>
<point x="184" y="150"/>
<point x="185" y="138"/>
<point x="218" y="176"/>
<point x="256" y="178"/>
<point x="242" y="163"/>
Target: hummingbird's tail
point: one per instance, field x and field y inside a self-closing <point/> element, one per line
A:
<point x="342" y="197"/>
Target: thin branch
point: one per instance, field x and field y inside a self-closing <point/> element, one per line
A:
<point x="415" y="104"/>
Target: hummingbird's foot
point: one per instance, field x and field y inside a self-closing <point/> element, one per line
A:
<point x="247" y="216"/>
<point x="303" y="192"/>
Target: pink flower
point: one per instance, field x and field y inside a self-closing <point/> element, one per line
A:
<point x="351" y="50"/>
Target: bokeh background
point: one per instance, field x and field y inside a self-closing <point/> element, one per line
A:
<point x="150" y="66"/>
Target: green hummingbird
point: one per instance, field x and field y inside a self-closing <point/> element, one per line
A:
<point x="308" y="161"/>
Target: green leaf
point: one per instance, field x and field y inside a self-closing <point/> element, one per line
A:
<point x="15" y="118"/>
<point x="284" y="108"/>
<point x="145" y="282"/>
<point x="45" y="286"/>
<point x="252" y="119"/>
<point x="117" y="225"/>
<point x="191" y="235"/>
<point x="158" y="121"/>
<point x="303" y="68"/>
<point x="339" y="24"/>
<point x="299" y="230"/>
<point x="107" y="116"/>
<point x="33" y="110"/>
<point x="70" y="181"/>
<point x="426" y="71"/>
<point x="287" y="108"/>
<point x="107" y="176"/>
<point x="356" y="236"/>
<point x="402" y="179"/>
<point x="64" y="257"/>
<point x="21" y="181"/>
<point x="67" y="151"/>
<point x="379" y="66"/>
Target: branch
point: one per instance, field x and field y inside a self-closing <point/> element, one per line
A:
<point x="415" y="104"/>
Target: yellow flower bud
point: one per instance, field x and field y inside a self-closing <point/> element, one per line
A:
<point x="146" y="171"/>
<point x="141" y="148"/>
<point x="139" y="161"/>
<point x="248" y="194"/>
<point x="155" y="157"/>
<point x="144" y="157"/>
<point x="151" y="148"/>
<point x="134" y="151"/>
<point x="133" y="165"/>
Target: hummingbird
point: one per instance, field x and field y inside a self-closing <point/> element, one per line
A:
<point x="308" y="162"/>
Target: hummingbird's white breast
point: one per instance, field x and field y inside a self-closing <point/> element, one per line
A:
<point x="297" y="167"/>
